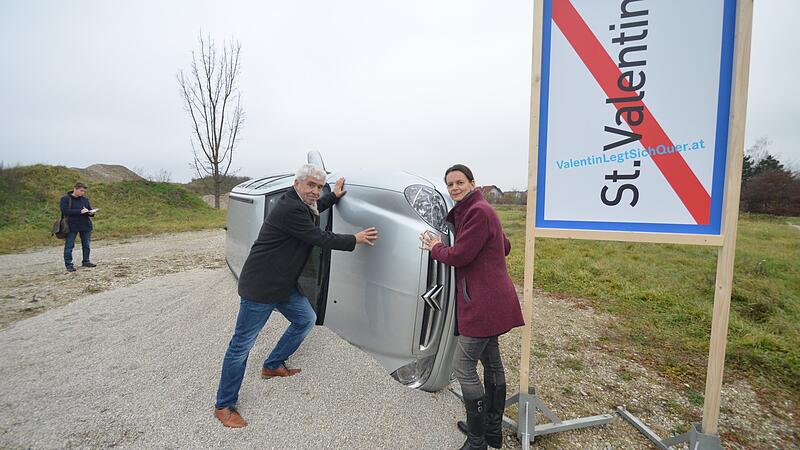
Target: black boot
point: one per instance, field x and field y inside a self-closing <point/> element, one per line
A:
<point x="495" y="406"/>
<point x="494" y="402"/>
<point x="476" y="425"/>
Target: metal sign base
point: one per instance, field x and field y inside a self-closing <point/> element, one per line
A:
<point x="528" y="405"/>
<point x="696" y="439"/>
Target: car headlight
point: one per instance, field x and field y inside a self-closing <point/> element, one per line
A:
<point x="429" y="204"/>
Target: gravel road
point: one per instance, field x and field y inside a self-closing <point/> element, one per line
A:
<point x="36" y="281"/>
<point x="138" y="367"/>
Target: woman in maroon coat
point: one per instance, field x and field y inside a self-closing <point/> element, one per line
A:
<point x="486" y="304"/>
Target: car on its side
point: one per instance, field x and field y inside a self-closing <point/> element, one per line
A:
<point x="391" y="300"/>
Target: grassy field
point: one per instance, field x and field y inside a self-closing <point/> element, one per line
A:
<point x="663" y="296"/>
<point x="29" y="197"/>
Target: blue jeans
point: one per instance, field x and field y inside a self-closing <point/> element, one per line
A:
<point x="251" y="319"/>
<point x="69" y="244"/>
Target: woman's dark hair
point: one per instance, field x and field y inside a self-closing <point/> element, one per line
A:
<point x="460" y="168"/>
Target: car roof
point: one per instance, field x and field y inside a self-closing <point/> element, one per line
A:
<point x="263" y="185"/>
<point x="380" y="179"/>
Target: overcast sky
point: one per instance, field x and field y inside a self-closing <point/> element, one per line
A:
<point x="412" y="85"/>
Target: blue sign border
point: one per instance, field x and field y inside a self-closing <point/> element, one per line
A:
<point x="721" y="147"/>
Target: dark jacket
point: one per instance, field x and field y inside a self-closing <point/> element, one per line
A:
<point x="486" y="300"/>
<point x="77" y="221"/>
<point x="281" y="250"/>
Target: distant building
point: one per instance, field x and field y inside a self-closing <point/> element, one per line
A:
<point x="518" y="195"/>
<point x="514" y="198"/>
<point x="491" y="192"/>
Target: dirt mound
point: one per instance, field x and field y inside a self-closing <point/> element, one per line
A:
<point x="108" y="173"/>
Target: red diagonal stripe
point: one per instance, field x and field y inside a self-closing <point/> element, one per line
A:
<point x="674" y="168"/>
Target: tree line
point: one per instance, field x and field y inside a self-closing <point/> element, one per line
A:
<point x="768" y="187"/>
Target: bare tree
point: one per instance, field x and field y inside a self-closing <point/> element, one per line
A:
<point x="161" y="176"/>
<point x="759" y="150"/>
<point x="211" y="97"/>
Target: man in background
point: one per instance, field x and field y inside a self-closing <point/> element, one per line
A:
<point x="76" y="207"/>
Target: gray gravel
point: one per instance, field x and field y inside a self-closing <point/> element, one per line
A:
<point x="138" y="367"/>
<point x="36" y="281"/>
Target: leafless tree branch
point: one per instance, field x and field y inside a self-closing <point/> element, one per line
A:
<point x="211" y="96"/>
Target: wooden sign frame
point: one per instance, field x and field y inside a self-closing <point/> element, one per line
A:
<point x="726" y="241"/>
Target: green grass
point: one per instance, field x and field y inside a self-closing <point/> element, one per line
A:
<point x="29" y="197"/>
<point x="695" y="398"/>
<point x="571" y="364"/>
<point x="663" y="295"/>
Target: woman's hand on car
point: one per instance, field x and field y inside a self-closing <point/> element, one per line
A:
<point x="367" y="236"/>
<point x="429" y="239"/>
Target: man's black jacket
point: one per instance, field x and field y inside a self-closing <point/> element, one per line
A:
<point x="281" y="250"/>
<point x="77" y="220"/>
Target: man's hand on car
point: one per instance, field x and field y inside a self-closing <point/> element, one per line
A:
<point x="367" y="236"/>
<point x="339" y="189"/>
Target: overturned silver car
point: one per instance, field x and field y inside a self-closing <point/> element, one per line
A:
<point x="391" y="300"/>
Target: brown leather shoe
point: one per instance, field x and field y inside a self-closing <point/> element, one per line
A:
<point x="230" y="417"/>
<point x="280" y="371"/>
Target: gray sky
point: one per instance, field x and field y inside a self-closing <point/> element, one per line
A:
<point x="413" y="85"/>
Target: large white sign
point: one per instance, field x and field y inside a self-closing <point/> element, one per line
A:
<point x="635" y="102"/>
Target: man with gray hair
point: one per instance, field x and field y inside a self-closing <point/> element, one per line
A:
<point x="269" y="281"/>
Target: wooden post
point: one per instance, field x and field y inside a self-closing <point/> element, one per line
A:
<point x="530" y="220"/>
<point x="727" y="253"/>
